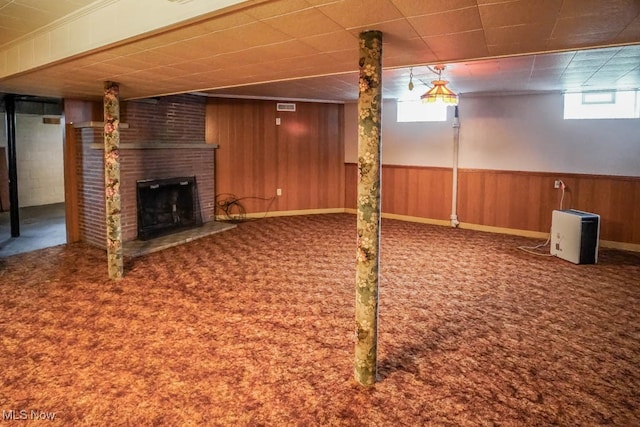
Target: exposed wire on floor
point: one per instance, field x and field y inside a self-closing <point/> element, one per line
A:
<point x="231" y="207"/>
<point x="532" y="249"/>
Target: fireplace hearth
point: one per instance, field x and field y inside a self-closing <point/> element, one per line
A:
<point x="167" y="206"/>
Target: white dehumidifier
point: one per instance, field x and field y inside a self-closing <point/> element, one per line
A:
<point x="575" y="235"/>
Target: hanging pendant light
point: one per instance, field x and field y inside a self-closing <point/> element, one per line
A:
<point x="440" y="92"/>
<point x="411" y="78"/>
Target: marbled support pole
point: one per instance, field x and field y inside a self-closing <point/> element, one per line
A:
<point x="368" y="223"/>
<point x="112" y="179"/>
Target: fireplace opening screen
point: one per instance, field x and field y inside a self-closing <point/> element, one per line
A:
<point x="167" y="206"/>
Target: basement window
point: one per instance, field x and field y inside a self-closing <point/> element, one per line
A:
<point x="417" y="111"/>
<point x="602" y="105"/>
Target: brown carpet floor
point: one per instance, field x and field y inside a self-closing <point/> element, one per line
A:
<point x="255" y="326"/>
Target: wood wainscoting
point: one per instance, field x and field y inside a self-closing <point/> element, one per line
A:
<point x="301" y="153"/>
<point x="508" y="200"/>
<point x="422" y="192"/>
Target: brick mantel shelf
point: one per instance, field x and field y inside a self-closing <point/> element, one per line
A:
<point x="142" y="145"/>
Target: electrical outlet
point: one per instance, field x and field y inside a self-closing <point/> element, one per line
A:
<point x="279" y="192"/>
<point x="557" y="183"/>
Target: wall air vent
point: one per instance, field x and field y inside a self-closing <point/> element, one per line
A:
<point x="286" y="106"/>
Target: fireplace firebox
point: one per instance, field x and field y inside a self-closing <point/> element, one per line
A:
<point x="167" y="206"/>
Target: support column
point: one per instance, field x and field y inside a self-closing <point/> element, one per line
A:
<point x="368" y="222"/>
<point x="14" y="205"/>
<point x="112" y="179"/>
<point x="454" y="185"/>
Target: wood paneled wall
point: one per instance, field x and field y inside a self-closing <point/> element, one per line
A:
<point x="508" y="199"/>
<point x="417" y="191"/>
<point x="76" y="110"/>
<point x="525" y="200"/>
<point x="303" y="155"/>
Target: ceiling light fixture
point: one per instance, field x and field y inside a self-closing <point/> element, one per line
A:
<point x="411" y="78"/>
<point x="439" y="92"/>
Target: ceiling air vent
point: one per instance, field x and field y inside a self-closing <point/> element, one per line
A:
<point x="286" y="106"/>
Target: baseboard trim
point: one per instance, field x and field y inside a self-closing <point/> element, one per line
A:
<point x="257" y="215"/>
<point x="418" y="219"/>
<point x="632" y="247"/>
<point x="502" y="230"/>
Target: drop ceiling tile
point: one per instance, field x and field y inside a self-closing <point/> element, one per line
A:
<point x="629" y="51"/>
<point x="124" y="50"/>
<point x="285" y="64"/>
<point x="350" y="56"/>
<point x="553" y="60"/>
<point x="553" y="74"/>
<point x="394" y="31"/>
<point x="509" y="49"/>
<point x="288" y="49"/>
<point x="360" y="13"/>
<point x="231" y="59"/>
<point x="458" y="46"/>
<point x="610" y="74"/>
<point x="626" y="62"/>
<point x="540" y="12"/>
<point x="217" y="62"/>
<point x="187" y="50"/>
<point x="151" y="42"/>
<point x="149" y="74"/>
<point x="518" y="62"/>
<point x="255" y="34"/>
<point x="591" y="55"/>
<point x="573" y="27"/>
<point x="203" y="46"/>
<point x="407" y="52"/>
<point x="629" y="81"/>
<point x="224" y="22"/>
<point x="322" y="2"/>
<point x="57" y="9"/>
<point x="483" y="2"/>
<point x="15" y="15"/>
<point x="133" y="63"/>
<point x="304" y="23"/>
<point x="324" y="67"/>
<point x="210" y="77"/>
<point x="422" y="7"/>
<point x="456" y="21"/>
<point x="339" y="40"/>
<point x="482" y="68"/>
<point x="631" y="33"/>
<point x="533" y="36"/>
<point x="617" y="9"/>
<point x="276" y="8"/>
<point x="105" y="71"/>
<point x="152" y="58"/>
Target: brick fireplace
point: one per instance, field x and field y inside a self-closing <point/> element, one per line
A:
<point x="160" y="139"/>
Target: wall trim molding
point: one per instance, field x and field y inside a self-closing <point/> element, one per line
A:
<point x="503" y="230"/>
<point x="260" y="215"/>
<point x="632" y="247"/>
<point x="560" y="175"/>
<point x="159" y="146"/>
